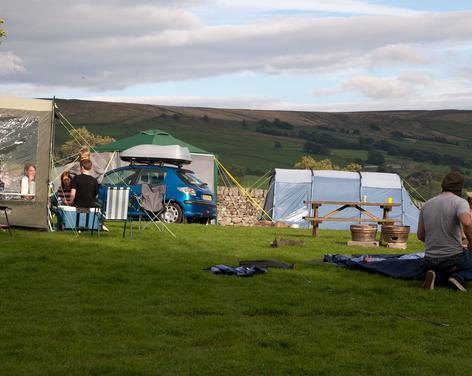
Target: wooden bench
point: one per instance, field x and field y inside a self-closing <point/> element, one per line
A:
<point x="316" y="219"/>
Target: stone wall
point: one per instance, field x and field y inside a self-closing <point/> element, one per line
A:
<point x="236" y="209"/>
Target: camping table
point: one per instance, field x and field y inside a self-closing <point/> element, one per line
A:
<point x="386" y="206"/>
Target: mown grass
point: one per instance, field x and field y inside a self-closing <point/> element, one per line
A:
<point x="144" y="306"/>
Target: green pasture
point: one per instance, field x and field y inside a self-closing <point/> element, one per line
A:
<point x="82" y="305"/>
<point x="233" y="144"/>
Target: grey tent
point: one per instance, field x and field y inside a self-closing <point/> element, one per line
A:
<point x="290" y="188"/>
<point x="25" y="137"/>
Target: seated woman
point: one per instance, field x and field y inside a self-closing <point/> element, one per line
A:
<point x="28" y="182"/>
<point x="63" y="192"/>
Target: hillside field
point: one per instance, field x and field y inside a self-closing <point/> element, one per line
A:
<point x="419" y="145"/>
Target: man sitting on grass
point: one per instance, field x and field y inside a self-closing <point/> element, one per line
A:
<point x="84" y="190"/>
<point x="439" y="227"/>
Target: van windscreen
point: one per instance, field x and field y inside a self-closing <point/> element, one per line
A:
<point x="191" y="179"/>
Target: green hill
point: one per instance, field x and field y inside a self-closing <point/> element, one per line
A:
<point x="420" y="145"/>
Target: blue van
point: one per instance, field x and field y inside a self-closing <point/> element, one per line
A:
<point x="190" y="199"/>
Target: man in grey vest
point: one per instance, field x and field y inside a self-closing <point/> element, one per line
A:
<point x="440" y="223"/>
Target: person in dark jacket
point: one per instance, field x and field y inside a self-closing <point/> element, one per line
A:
<point x="84" y="190"/>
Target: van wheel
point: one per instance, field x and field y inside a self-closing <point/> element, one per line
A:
<point x="173" y="214"/>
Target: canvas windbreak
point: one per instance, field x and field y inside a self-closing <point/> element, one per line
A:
<point x="25" y="142"/>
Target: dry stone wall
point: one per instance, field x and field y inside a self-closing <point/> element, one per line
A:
<point x="236" y="209"/>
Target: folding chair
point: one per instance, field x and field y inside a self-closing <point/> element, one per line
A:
<point x="153" y="201"/>
<point x="5" y="210"/>
<point x="117" y="204"/>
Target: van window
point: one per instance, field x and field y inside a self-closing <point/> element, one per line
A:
<point x="151" y="177"/>
<point x="121" y="177"/>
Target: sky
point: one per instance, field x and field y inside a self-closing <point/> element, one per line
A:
<point x="311" y="55"/>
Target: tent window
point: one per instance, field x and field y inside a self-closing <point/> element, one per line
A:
<point x="18" y="145"/>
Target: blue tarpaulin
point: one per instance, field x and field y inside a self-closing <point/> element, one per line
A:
<point x="404" y="266"/>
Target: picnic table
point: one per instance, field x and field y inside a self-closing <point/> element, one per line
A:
<point x="316" y="219"/>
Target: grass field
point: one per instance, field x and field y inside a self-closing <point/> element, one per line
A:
<point x="144" y="306"/>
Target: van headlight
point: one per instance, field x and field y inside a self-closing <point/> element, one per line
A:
<point x="187" y="190"/>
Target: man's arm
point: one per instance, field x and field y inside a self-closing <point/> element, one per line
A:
<point x="72" y="195"/>
<point x="420" y="234"/>
<point x="466" y="222"/>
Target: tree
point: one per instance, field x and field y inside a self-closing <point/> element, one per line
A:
<point x="375" y="157"/>
<point x="3" y="33"/>
<point x="455" y="168"/>
<point x="315" y="148"/>
<point x="237" y="170"/>
<point x="81" y="137"/>
<point x="307" y="162"/>
<point x="311" y="147"/>
<point x="354" y="167"/>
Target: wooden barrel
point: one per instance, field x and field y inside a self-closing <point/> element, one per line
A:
<point x="394" y="234"/>
<point x="363" y="233"/>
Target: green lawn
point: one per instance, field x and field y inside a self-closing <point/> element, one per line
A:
<point x="86" y="306"/>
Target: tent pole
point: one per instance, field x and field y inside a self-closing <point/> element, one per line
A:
<point x="51" y="152"/>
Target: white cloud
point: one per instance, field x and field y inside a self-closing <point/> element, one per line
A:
<point x="249" y="102"/>
<point x="334" y="6"/>
<point x="133" y="55"/>
<point x="10" y="63"/>
<point x="398" y="53"/>
<point x="376" y="87"/>
<point x="116" y="44"/>
<point x="445" y="100"/>
<point x="416" y="78"/>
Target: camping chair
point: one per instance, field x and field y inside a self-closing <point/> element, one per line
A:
<point x="5" y="210"/>
<point x="153" y="202"/>
<point x="117" y="204"/>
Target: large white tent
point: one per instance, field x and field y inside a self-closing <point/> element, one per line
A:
<point x="25" y="138"/>
<point x="290" y="188"/>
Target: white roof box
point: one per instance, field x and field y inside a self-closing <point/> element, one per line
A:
<point x="173" y="154"/>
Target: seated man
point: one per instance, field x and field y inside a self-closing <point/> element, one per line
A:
<point x="84" y="187"/>
<point x="439" y="226"/>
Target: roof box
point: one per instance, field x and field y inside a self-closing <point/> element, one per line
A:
<point x="150" y="154"/>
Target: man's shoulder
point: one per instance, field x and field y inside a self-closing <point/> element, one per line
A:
<point x="85" y="178"/>
<point x="453" y="199"/>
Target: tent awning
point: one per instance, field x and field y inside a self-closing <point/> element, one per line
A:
<point x="150" y="137"/>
